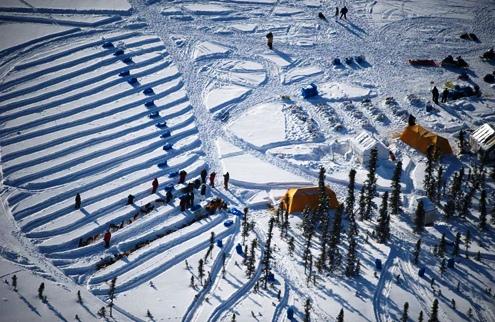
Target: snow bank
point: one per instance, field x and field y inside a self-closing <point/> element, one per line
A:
<point x="261" y="125"/>
<point x="208" y="9"/>
<point x="286" y="11"/>
<point x="207" y="49"/>
<point x="219" y="97"/>
<point x="62" y="6"/>
<point x="343" y="92"/>
<point x="298" y="74"/>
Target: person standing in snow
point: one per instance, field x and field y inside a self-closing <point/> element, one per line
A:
<point x="269" y="42"/>
<point x="435" y="94"/>
<point x="154" y="186"/>
<point x="107" y="237"/>
<point x="226" y="178"/>
<point x="343" y="12"/>
<point x="212" y="179"/>
<point x="203" y="190"/>
<point x="336" y="12"/>
<point x="203" y="175"/>
<point x="78" y="201"/>
<point x="445" y="95"/>
<point x="168" y="196"/>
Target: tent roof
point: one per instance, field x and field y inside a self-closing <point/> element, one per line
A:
<point x="420" y="138"/>
<point x="485" y="136"/>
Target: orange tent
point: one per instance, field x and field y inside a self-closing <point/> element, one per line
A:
<point x="420" y="139"/>
<point x="297" y="199"/>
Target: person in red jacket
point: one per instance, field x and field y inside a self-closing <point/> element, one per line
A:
<point x="106" y="238"/>
<point x="154" y="185"/>
<point x="212" y="179"/>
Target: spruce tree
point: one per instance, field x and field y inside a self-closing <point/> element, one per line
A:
<point x="291" y="246"/>
<point x="383" y="227"/>
<point x="307" y="254"/>
<point x="350" y="200"/>
<point x="434" y="312"/>
<point x="462" y="142"/>
<point x="439" y="184"/>
<point x="333" y="252"/>
<point x="233" y="317"/>
<point x="321" y="264"/>
<point x="457" y="243"/>
<point x="441" y="246"/>
<point x="323" y="207"/>
<point x="268" y="252"/>
<point x="211" y="246"/>
<point x="251" y="264"/>
<point x="482" y="219"/>
<point x="362" y="203"/>
<point x="245" y="226"/>
<point x="201" y="271"/>
<point x="420" y="317"/>
<point x="307" y="310"/>
<point x="404" y="316"/>
<point x="417" y="251"/>
<point x="111" y="294"/>
<point x="351" y="260"/>
<point x="340" y="317"/>
<point x="419" y="218"/>
<point x="370" y="183"/>
<point x="395" y="200"/>
<point x="429" y="180"/>
<point x="467" y="242"/>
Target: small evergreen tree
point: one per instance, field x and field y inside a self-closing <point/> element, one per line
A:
<point x="482" y="209"/>
<point x="14" y="282"/>
<point x="192" y="284"/>
<point x="434" y="312"/>
<point x="340" y="317"/>
<point x="370" y="183"/>
<point x="440" y="184"/>
<point x="233" y="317"/>
<point x="149" y="315"/>
<point x="201" y="271"/>
<point x="443" y="266"/>
<point x="420" y="317"/>
<point x="383" y="227"/>
<point x="395" y="200"/>
<point x="462" y="142"/>
<point x="79" y="297"/>
<point x="457" y="243"/>
<point x="268" y="252"/>
<point x="441" y="246"/>
<point x="404" y="316"/>
<point x="307" y="310"/>
<point x="352" y="258"/>
<point x="362" y="203"/>
<point x="245" y="226"/>
<point x="429" y="180"/>
<point x="251" y="265"/>
<point x="111" y="294"/>
<point x="417" y="250"/>
<point x="419" y="218"/>
<point x="333" y="253"/>
<point x="211" y="246"/>
<point x="350" y="200"/>
<point x="467" y="242"/>
<point x="291" y="246"/>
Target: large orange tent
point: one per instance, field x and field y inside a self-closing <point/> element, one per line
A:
<point x="420" y="138"/>
<point x="297" y="199"/>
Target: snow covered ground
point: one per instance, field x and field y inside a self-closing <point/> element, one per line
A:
<point x="101" y="97"/>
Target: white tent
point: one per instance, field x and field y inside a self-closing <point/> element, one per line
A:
<point x="363" y="144"/>
<point x="482" y="141"/>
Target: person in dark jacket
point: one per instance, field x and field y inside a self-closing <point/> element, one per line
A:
<point x="212" y="179"/>
<point x="269" y="41"/>
<point x="130" y="199"/>
<point x="78" y="201"/>
<point x="435" y="94"/>
<point x="445" y="95"/>
<point x="168" y="196"/>
<point x="343" y="12"/>
<point x="154" y="186"/>
<point x="191" y="199"/>
<point x="106" y="238"/>
<point x="226" y="178"/>
<point x="336" y="12"/>
<point x="204" y="173"/>
<point x="203" y="190"/>
<point x="182" y="203"/>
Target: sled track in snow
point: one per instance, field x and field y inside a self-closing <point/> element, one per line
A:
<point x="72" y="123"/>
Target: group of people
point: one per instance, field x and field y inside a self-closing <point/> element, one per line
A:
<point x="338" y="11"/>
<point x="436" y="95"/>
<point x="186" y="200"/>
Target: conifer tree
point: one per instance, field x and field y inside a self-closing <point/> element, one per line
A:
<point x="340" y="317"/>
<point x="111" y="294"/>
<point x="307" y="224"/>
<point x="321" y="263"/>
<point x="395" y="200"/>
<point x="201" y="271"/>
<point x="191" y="283"/>
<point x="420" y="317"/>
<point x="443" y="266"/>
<point x="462" y="142"/>
<point x="457" y="243"/>
<point x="439" y="184"/>
<point x="268" y="252"/>
<point x="307" y="310"/>
<point x="211" y="246"/>
<point x="333" y="252"/>
<point x="417" y="250"/>
<point x="233" y="317"/>
<point x="467" y="242"/>
<point x="285" y="224"/>
<point x="350" y="200"/>
<point x="291" y="246"/>
<point x="362" y="203"/>
<point x="441" y="246"/>
<point x="404" y="316"/>
<point x="429" y="180"/>
<point x="251" y="264"/>
<point x="322" y="210"/>
<point x="434" y="312"/>
<point x="370" y="183"/>
<point x="383" y="227"/>
<point x="482" y="219"/>
<point x="307" y="254"/>
<point x="14" y="283"/>
<point x="419" y="218"/>
<point x="245" y="226"/>
<point x="351" y="260"/>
